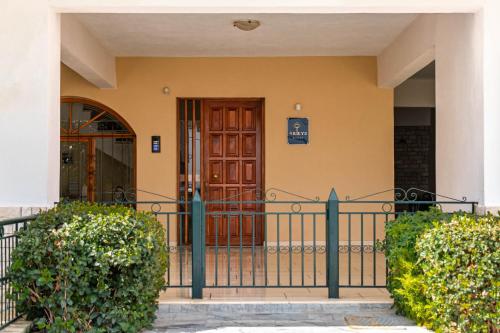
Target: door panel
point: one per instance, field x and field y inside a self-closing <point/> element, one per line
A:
<point x="232" y="172"/>
<point x="232" y="131"/>
<point x="249" y="145"/>
<point x="232" y="145"/>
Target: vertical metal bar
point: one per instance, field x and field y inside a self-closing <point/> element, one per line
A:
<point x="241" y="247"/>
<point x="314" y="248"/>
<point x="112" y="160"/>
<point x="278" y="250"/>
<point x="265" y="249"/>
<point x="362" y="250"/>
<point x="168" y="247"/>
<point x="100" y="168"/>
<point x="290" y="249"/>
<point x="228" y="251"/>
<point x="386" y="261"/>
<point x="181" y="248"/>
<point x="349" y="248"/>
<point x="374" y="250"/>
<point x="253" y="249"/>
<point x="216" y="219"/>
<point x="332" y="227"/>
<point x="302" y="246"/>
<point x="197" y="212"/>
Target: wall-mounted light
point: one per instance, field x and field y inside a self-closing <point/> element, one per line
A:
<point x="166" y="90"/>
<point x="246" y="25"/>
<point x="298" y="107"/>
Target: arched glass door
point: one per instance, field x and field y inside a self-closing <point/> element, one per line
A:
<point x="97" y="153"/>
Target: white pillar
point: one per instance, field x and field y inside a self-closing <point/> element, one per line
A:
<point x="491" y="83"/>
<point x="459" y="109"/>
<point x="29" y="104"/>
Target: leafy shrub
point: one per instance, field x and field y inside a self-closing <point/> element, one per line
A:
<point x="90" y="268"/>
<point x="405" y="279"/>
<point x="461" y="264"/>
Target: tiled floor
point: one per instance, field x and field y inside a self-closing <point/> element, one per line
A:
<point x="246" y="268"/>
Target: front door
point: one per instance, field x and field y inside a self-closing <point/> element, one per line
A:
<point x="233" y="169"/>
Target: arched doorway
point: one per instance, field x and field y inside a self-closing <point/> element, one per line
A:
<point x="98" y="152"/>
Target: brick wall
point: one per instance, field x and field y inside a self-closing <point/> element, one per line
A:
<point x="414" y="160"/>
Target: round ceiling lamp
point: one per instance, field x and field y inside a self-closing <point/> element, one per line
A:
<point x="246" y="25"/>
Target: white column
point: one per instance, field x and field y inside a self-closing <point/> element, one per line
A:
<point x="459" y="109"/>
<point x="29" y="104"/>
<point x="491" y="82"/>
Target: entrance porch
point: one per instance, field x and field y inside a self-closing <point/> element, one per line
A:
<point x="278" y="268"/>
<point x="148" y="106"/>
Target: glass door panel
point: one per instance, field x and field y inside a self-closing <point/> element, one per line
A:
<point x="189" y="141"/>
<point x="74" y="171"/>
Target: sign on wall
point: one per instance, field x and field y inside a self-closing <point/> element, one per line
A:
<point x="298" y="131"/>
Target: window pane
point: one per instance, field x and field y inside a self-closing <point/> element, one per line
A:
<point x="114" y="169"/>
<point x="65" y="116"/>
<point x="73" y="171"/>
<point x="94" y="165"/>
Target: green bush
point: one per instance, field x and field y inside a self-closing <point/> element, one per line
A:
<point x="90" y="268"/>
<point x="461" y="264"/>
<point x="404" y="281"/>
<point x="444" y="270"/>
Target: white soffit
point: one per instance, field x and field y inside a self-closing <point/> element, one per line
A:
<point x="213" y="35"/>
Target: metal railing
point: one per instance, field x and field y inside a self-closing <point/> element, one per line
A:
<point x="265" y="243"/>
<point x="306" y="243"/>
<point x="272" y="244"/>
<point x="8" y="242"/>
<point x="361" y="226"/>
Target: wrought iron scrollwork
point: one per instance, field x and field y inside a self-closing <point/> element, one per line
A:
<point x="121" y="195"/>
<point x="359" y="249"/>
<point x="307" y="249"/>
<point x="271" y="195"/>
<point x="409" y="195"/>
<point x="298" y="249"/>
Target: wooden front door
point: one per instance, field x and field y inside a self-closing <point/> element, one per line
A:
<point x="233" y="169"/>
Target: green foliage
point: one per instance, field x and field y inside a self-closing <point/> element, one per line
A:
<point x="461" y="264"/>
<point x="444" y="270"/>
<point x="405" y="281"/>
<point x="90" y="268"/>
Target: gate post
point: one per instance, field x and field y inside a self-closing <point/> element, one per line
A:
<point x="332" y="244"/>
<point x="198" y="245"/>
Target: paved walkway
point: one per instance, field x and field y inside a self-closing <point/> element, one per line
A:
<point x="306" y="329"/>
<point x="342" y="316"/>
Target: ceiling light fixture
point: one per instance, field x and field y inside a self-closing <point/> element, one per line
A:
<point x="246" y="25"/>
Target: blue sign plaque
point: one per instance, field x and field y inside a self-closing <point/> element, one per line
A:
<point x="298" y="131"/>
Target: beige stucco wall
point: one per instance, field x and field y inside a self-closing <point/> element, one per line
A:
<point x="351" y="123"/>
<point x="351" y="120"/>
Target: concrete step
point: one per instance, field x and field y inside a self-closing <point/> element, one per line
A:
<point x="191" y="316"/>
<point x="327" y="306"/>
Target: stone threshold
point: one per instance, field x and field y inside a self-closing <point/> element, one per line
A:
<point x="270" y="301"/>
<point x="19" y="326"/>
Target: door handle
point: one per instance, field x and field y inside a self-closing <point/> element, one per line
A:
<point x="215" y="176"/>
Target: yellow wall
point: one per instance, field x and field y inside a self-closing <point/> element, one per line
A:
<point x="351" y="120"/>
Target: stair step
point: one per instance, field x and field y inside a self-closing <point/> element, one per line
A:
<point x="199" y="315"/>
<point x="353" y="307"/>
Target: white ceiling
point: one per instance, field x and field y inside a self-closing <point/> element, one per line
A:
<point x="192" y="35"/>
